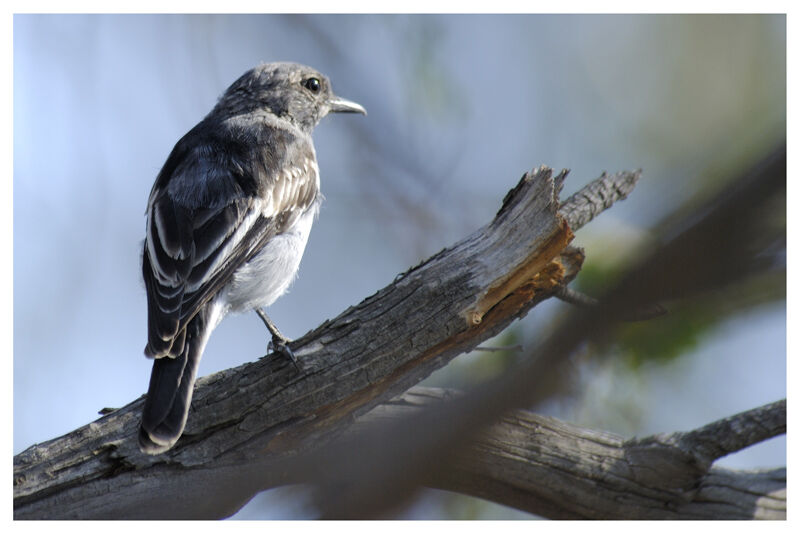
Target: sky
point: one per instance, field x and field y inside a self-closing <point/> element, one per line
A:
<point x="459" y="108"/>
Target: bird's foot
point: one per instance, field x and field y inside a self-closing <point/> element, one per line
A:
<point x="280" y="345"/>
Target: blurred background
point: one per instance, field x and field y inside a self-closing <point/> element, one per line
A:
<point x="459" y="108"/>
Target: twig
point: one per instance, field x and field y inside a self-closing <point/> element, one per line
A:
<point x="517" y="347"/>
<point x="576" y="298"/>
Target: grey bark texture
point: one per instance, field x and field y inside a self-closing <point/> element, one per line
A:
<point x="558" y="470"/>
<point x="250" y="426"/>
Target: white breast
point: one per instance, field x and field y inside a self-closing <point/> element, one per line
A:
<point x="269" y="274"/>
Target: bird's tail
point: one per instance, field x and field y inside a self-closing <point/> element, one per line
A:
<point x="170" y="393"/>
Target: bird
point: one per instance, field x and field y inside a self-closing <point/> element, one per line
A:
<point x="227" y="221"/>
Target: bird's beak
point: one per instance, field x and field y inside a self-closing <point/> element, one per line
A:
<point x="341" y="105"/>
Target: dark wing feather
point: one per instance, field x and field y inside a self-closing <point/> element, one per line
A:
<point x="182" y="275"/>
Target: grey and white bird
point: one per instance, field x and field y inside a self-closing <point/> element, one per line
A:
<point x="227" y="223"/>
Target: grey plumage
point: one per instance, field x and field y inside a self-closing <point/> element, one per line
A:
<point x="227" y="222"/>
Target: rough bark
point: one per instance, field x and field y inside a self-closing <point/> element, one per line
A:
<point x="247" y="424"/>
<point x="558" y="470"/>
<point x="373" y="351"/>
<point x="709" y="249"/>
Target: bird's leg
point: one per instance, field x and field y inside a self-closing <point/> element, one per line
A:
<point x="279" y="342"/>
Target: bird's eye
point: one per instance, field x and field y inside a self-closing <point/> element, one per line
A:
<point x="312" y="84"/>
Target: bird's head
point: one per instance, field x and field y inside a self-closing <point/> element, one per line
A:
<point x="291" y="91"/>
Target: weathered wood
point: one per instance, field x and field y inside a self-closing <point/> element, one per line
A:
<point x="254" y="420"/>
<point x="596" y="197"/>
<point x="386" y="464"/>
<point x="265" y="411"/>
<point x="559" y="470"/>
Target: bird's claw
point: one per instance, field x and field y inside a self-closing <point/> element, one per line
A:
<point x="281" y="346"/>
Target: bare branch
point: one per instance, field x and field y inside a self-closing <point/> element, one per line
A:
<point x="557" y="470"/>
<point x="598" y="196"/>
<point x="262" y="410"/>
<point x="259" y="425"/>
<point x="723" y="233"/>
<point x="576" y="298"/>
<point x="734" y="433"/>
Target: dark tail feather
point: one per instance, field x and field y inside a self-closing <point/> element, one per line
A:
<point x="170" y="393"/>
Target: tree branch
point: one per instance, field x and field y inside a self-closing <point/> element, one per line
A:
<point x="258" y="426"/>
<point x="558" y="470"/>
<point x="263" y="410"/>
<point x="596" y="197"/>
<point x="715" y="246"/>
<point x="725" y="436"/>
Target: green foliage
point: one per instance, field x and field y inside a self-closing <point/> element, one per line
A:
<point x="665" y="338"/>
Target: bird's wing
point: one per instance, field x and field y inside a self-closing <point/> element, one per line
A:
<point x="207" y="218"/>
